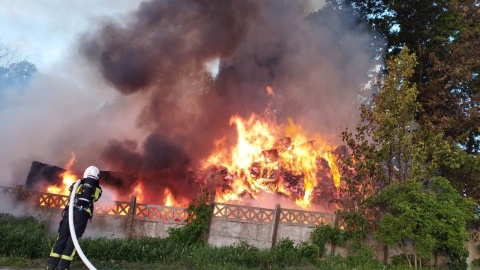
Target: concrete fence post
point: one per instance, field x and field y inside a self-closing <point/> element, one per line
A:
<point x="212" y="205"/>
<point x="131" y="216"/>
<point x="19" y="193"/>
<point x="276" y="220"/>
<point x="385" y="254"/>
<point x="335" y="225"/>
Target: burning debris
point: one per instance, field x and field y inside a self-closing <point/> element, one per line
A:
<point x="44" y="177"/>
<point x="302" y="170"/>
<point x="197" y="65"/>
<point x="272" y="175"/>
<point x="294" y="167"/>
<point x="41" y="172"/>
<point x="168" y="132"/>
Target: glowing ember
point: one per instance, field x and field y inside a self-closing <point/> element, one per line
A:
<point x="259" y="159"/>
<point x="270" y="91"/>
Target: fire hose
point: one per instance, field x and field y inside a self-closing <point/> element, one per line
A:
<point x="72" y="228"/>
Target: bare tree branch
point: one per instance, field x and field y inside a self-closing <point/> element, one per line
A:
<point x="7" y="55"/>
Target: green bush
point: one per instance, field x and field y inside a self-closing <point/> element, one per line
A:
<point x="400" y="260"/>
<point x="285" y="253"/>
<point x="324" y="234"/>
<point x="476" y="263"/>
<point x="200" y="213"/>
<point x="246" y="255"/>
<point x="309" y="252"/>
<point x="24" y="237"/>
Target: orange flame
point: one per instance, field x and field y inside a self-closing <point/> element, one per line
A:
<point x="169" y="200"/>
<point x="138" y="192"/>
<point x="68" y="178"/>
<point x="255" y="161"/>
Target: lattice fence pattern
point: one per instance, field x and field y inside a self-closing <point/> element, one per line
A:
<point x="60" y="201"/>
<point x="474" y="236"/>
<point x="307" y="218"/>
<point x="52" y="200"/>
<point x="118" y="209"/>
<point x="24" y="195"/>
<point x="160" y="213"/>
<point x="243" y="213"/>
<point x="8" y="191"/>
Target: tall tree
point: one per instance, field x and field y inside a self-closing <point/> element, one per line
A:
<point x="13" y="72"/>
<point x="444" y="36"/>
<point x="455" y="75"/>
<point x="383" y="147"/>
<point x="392" y="172"/>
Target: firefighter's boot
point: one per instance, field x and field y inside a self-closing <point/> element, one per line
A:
<point x="51" y="267"/>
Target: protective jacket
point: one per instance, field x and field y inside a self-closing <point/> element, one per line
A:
<point x="63" y="251"/>
<point x="88" y="192"/>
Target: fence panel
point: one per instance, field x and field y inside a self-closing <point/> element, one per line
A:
<point x="243" y="213"/>
<point x="305" y="218"/>
<point x="160" y="213"/>
<point x="117" y="209"/>
<point x="8" y="192"/>
<point x="50" y="200"/>
<point x="474" y="237"/>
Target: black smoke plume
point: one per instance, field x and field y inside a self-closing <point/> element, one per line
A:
<point x="314" y="60"/>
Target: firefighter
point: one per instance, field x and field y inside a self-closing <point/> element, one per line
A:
<point x="88" y="192"/>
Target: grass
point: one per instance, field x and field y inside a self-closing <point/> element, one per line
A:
<point x="26" y="242"/>
<point x="21" y="263"/>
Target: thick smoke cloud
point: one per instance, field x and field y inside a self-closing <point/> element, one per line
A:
<point x="157" y="107"/>
<point x="315" y="63"/>
<point x="166" y="41"/>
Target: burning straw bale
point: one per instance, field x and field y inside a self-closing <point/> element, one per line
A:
<point x="42" y="174"/>
<point x="269" y="173"/>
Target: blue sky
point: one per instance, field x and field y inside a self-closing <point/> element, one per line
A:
<point x="43" y="31"/>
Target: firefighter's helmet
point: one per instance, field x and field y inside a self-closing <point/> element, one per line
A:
<point x="91" y="172"/>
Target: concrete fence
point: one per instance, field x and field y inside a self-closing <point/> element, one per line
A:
<point x="231" y="224"/>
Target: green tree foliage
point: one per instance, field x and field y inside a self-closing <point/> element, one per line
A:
<point x="399" y="161"/>
<point x="429" y="215"/>
<point x="444" y="35"/>
<point x="463" y="171"/>
<point x="452" y="92"/>
<point x="393" y="117"/>
<point x="381" y="151"/>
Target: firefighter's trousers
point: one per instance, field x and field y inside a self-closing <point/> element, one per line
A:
<point x="63" y="250"/>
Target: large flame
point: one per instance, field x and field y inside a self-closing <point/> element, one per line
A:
<point x="259" y="157"/>
<point x="264" y="158"/>
<point x="170" y="200"/>
<point x="138" y="192"/>
<point x="68" y="178"/>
